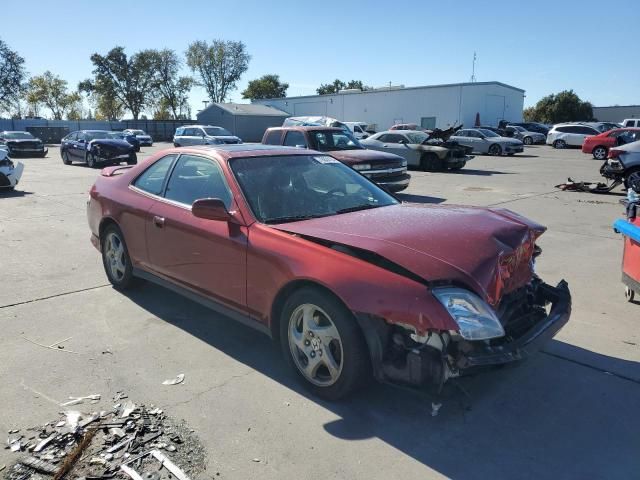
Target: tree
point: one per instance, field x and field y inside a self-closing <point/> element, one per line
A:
<point x="565" y="106"/>
<point x="219" y="65"/>
<point x="172" y="89"/>
<point x="337" y="85"/>
<point x="51" y="91"/>
<point x="107" y="105"/>
<point x="267" y="86"/>
<point x="129" y="81"/>
<point x="12" y="75"/>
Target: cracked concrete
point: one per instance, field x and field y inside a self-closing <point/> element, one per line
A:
<point x="571" y="413"/>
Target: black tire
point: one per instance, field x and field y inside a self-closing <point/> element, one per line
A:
<point x="42" y="155"/>
<point x="133" y="159"/>
<point x="456" y="169"/>
<point x="65" y="158"/>
<point x="126" y="280"/>
<point x="631" y="176"/>
<point x="176" y="144"/>
<point x="495" y="150"/>
<point x="430" y="162"/>
<point x="600" y="152"/>
<point x="527" y="141"/>
<point x="90" y="160"/>
<point x="559" y="144"/>
<point x="354" y="357"/>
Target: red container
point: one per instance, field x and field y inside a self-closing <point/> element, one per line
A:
<point x="630" y="256"/>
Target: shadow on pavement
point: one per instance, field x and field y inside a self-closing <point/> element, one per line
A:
<point x="409" y="197"/>
<point x="481" y="173"/>
<point x="547" y="417"/>
<point x="4" y="193"/>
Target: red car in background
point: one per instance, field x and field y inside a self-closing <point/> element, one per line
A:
<point x="599" y="145"/>
<point x="349" y="281"/>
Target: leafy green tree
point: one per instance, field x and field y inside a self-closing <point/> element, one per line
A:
<point x="172" y="88"/>
<point x="52" y="91"/>
<point x="267" y="86"/>
<point x="130" y="81"/>
<point x="565" y="106"/>
<point x="12" y="76"/>
<point x="219" y="65"/>
<point x="337" y="85"/>
<point x="107" y="105"/>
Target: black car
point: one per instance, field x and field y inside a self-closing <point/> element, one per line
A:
<point x="529" y="126"/>
<point x="23" y="143"/>
<point x="129" y="138"/>
<point x="96" y="148"/>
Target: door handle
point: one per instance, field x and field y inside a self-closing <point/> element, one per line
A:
<point x="158" y="221"/>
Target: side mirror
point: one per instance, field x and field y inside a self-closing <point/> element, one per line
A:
<point x="212" y="209"/>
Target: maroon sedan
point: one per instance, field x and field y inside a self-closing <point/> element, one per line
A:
<point x="348" y="280"/>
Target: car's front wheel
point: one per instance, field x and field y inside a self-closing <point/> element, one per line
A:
<point x="495" y="149"/>
<point x="65" y="158"/>
<point x="115" y="258"/>
<point x="323" y="343"/>
<point x="527" y="141"/>
<point x="91" y="160"/>
<point x="632" y="178"/>
<point x="133" y="159"/>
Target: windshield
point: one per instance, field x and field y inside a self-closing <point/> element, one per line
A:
<point x="329" y="140"/>
<point x="416" y="137"/>
<point x="488" y="133"/>
<point x="217" y="131"/>
<point x="97" y="135"/>
<point x="288" y="188"/>
<point x="17" y="135"/>
<point x="520" y="129"/>
<point x="117" y="135"/>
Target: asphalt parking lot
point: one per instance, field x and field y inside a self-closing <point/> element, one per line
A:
<point x="569" y="412"/>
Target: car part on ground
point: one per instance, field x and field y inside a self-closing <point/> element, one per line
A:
<point x="384" y="168"/>
<point x="23" y="144"/>
<point x="350" y="281"/>
<point x="487" y="141"/>
<point x="190" y="135"/>
<point x="10" y="172"/>
<point x="435" y="151"/>
<point x="96" y="148"/>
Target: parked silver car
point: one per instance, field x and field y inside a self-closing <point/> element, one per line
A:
<point x="486" y="141"/>
<point x="525" y="136"/>
<point x="623" y="164"/>
<point x="203" y="135"/>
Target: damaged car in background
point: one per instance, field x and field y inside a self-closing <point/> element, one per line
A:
<point x="433" y="150"/>
<point x="10" y="172"/>
<point x="350" y="282"/>
<point x="23" y="143"/>
<point x="96" y="148"/>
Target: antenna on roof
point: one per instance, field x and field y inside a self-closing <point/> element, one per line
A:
<point x="473" y="68"/>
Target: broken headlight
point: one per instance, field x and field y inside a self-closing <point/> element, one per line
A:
<point x="475" y="318"/>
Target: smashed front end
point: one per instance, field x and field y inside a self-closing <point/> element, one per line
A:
<point x="10" y="173"/>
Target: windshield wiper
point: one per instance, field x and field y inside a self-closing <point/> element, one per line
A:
<point x="356" y="208"/>
<point x="291" y="218"/>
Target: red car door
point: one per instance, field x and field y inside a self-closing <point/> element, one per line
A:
<point x="207" y="256"/>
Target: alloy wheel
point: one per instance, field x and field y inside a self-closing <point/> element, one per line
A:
<point x="527" y="141"/>
<point x="599" y="153"/>
<point x="559" y="144"/>
<point x="495" y="150"/>
<point x="115" y="257"/>
<point x="315" y="344"/>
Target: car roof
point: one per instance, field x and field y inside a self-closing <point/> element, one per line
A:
<point x="309" y="128"/>
<point x="249" y="150"/>
<point x="400" y="132"/>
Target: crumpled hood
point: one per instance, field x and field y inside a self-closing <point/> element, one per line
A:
<point x="112" y="142"/>
<point x="488" y="250"/>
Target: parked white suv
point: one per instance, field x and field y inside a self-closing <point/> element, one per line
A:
<point x="569" y="134"/>
<point x="358" y="129"/>
<point x="631" y="122"/>
<point x="203" y="135"/>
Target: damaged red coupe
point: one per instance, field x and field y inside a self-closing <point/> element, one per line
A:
<point x="348" y="280"/>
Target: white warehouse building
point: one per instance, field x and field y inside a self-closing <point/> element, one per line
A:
<point x="430" y="106"/>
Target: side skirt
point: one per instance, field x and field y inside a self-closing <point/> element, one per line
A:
<point x="205" y="301"/>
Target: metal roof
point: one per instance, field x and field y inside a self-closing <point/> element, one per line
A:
<point x="247" y="109"/>
<point x="401" y="89"/>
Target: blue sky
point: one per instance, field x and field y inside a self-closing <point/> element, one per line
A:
<point x="540" y="46"/>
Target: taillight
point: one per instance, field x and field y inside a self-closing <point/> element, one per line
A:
<point x="613" y="153"/>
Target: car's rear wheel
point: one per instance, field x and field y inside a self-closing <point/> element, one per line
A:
<point x="527" y="141"/>
<point x="133" y="159"/>
<point x="559" y="144"/>
<point x="91" y="160"/>
<point x="322" y="342"/>
<point x="600" y="152"/>
<point x="495" y="149"/>
<point x="65" y="158"/>
<point x="115" y="258"/>
<point x="431" y="162"/>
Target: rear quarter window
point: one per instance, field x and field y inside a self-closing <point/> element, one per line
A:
<point x="273" y="137"/>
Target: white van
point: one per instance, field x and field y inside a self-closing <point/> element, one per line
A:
<point x="359" y="129"/>
<point x="631" y="122"/>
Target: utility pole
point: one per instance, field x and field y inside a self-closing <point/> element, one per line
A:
<point x="473" y="68"/>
